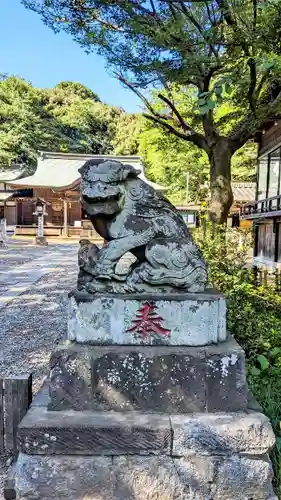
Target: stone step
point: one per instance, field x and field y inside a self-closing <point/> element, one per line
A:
<point x="103" y="433"/>
<point x="168" y="379"/>
<point x="43" y="432"/>
<point x="136" y="456"/>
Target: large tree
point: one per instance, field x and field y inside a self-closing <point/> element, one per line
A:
<point x="216" y="47"/>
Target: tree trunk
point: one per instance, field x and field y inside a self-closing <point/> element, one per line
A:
<point x="220" y="180"/>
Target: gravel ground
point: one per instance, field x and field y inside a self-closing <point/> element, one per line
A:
<point x="33" y="322"/>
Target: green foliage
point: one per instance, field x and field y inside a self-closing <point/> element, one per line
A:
<point x="217" y="53"/>
<point x="69" y="117"/>
<point x="226" y="250"/>
<point x="253" y="318"/>
<point x="168" y="159"/>
<point x="266" y="389"/>
<point x="264" y="376"/>
<point x="127" y="134"/>
<point x="25" y="123"/>
<point x="78" y="89"/>
<point x="82" y="117"/>
<point x="174" y="41"/>
<point x="212" y="47"/>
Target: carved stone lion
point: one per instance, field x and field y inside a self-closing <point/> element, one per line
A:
<point x="132" y="217"/>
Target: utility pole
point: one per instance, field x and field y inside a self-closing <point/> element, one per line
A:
<point x="187" y="187"/>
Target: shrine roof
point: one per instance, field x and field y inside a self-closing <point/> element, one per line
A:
<point x="59" y="171"/>
<point x="12" y="173"/>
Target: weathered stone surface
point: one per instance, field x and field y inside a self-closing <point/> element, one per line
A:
<point x="60" y="478"/>
<point x="144" y="223"/>
<point x="186" y="319"/>
<point x="9" y="486"/>
<point x="44" y="432"/>
<point x="243" y="478"/>
<point x="127" y="478"/>
<point x="197" y="473"/>
<point x="156" y="378"/>
<point x="221" y="434"/>
<point x="71" y="380"/>
<point x="42" y="398"/>
<point x="143" y="478"/>
<point x="226" y="376"/>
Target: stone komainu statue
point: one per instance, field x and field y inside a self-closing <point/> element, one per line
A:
<point x="132" y="217"/>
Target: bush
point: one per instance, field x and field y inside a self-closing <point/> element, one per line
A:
<point x="253" y="318"/>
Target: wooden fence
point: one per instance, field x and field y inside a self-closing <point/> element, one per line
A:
<point x="15" y="399"/>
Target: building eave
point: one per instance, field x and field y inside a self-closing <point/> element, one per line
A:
<point x="59" y="171"/>
<point x="12" y="173"/>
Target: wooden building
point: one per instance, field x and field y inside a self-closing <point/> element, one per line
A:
<point x="8" y="203"/>
<point x="56" y="180"/>
<point x="265" y="211"/>
<point x="243" y="192"/>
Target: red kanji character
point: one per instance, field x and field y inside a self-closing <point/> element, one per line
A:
<point x="148" y="321"/>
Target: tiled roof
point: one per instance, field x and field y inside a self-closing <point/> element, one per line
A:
<point x="60" y="170"/>
<point x="12" y="172"/>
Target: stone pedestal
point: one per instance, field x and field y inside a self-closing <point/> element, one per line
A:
<point x="147" y="399"/>
<point x="173" y="379"/>
<point x="137" y="456"/>
<point x="185" y="319"/>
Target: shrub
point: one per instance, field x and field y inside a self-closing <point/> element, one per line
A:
<point x="253" y="318"/>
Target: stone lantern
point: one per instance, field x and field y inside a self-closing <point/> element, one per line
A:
<point x="40" y="212"/>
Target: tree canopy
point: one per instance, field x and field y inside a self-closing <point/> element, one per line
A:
<point x="69" y="117"/>
<point x="168" y="159"/>
<point x="217" y="49"/>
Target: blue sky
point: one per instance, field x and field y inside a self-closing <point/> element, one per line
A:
<point x="31" y="50"/>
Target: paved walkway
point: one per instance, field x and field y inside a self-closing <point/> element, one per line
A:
<point x="21" y="266"/>
<point x="34" y="283"/>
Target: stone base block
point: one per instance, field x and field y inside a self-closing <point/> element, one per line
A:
<point x="141" y="478"/>
<point x="44" y="432"/>
<point x="151" y="378"/>
<point x="67" y="432"/>
<point x="135" y="456"/>
<point x="180" y="319"/>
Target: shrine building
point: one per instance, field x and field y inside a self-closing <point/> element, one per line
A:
<point x="56" y="181"/>
<point x="8" y="203"/>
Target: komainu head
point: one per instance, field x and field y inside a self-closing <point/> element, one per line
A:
<point x="103" y="185"/>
